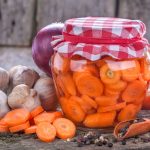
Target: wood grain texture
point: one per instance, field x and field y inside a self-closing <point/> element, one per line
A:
<point x="16" y="20"/>
<point x="136" y="9"/>
<point x="59" y="10"/>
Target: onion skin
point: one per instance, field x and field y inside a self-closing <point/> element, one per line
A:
<point x="41" y="46"/>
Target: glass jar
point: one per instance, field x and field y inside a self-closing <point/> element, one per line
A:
<point x="100" y="90"/>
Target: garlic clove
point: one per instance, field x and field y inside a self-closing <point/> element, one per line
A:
<point x="45" y="88"/>
<point x="23" y="75"/>
<point x="4" y="79"/>
<point x="4" y="108"/>
<point x="17" y="97"/>
<point x="23" y="97"/>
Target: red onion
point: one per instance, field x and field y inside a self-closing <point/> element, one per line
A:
<point x="41" y="47"/>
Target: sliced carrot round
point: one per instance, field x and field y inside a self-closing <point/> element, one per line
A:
<point x="72" y="110"/>
<point x="108" y="75"/>
<point x="46" y="132"/>
<point x="127" y="113"/>
<point x="130" y="70"/>
<point x="19" y="127"/>
<point x="89" y="85"/>
<point x="16" y="117"/>
<point x="106" y="100"/>
<point x="90" y="101"/>
<point x="36" y="111"/>
<point x="119" y="86"/>
<point x="110" y="92"/>
<point x="46" y="117"/>
<point x="133" y="91"/>
<point x="4" y="128"/>
<point x="64" y="128"/>
<point x="68" y="83"/>
<point x="112" y="107"/>
<point x="30" y="130"/>
<point x="85" y="106"/>
<point x="145" y="67"/>
<point x="100" y="120"/>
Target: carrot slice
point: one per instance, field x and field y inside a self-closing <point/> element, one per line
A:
<point x="17" y="117"/>
<point x="145" y="67"/>
<point x="119" y="86"/>
<point x="112" y="107"/>
<point x="46" y="117"/>
<point x="19" y="127"/>
<point x="85" y="106"/>
<point x="72" y="110"/>
<point x="46" y="132"/>
<point x="110" y="92"/>
<point x="134" y="91"/>
<point x="64" y="128"/>
<point x="61" y="87"/>
<point x="100" y="120"/>
<point x="127" y="113"/>
<point x="92" y="69"/>
<point x="4" y="128"/>
<point x="139" y="100"/>
<point x="89" y="85"/>
<point x="2" y="122"/>
<point x="89" y="101"/>
<point x="36" y="111"/>
<point x="131" y="73"/>
<point x="108" y="75"/>
<point x="68" y="83"/>
<point x="30" y="130"/>
<point x="106" y="100"/>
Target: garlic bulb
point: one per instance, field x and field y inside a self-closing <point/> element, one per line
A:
<point x="4" y="79"/>
<point x="45" y="88"/>
<point x="23" y="97"/>
<point x="23" y="75"/>
<point x="4" y="108"/>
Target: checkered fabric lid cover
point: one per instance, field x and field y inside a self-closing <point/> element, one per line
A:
<point x="94" y="37"/>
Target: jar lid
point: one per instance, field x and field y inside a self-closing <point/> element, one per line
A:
<point x="94" y="37"/>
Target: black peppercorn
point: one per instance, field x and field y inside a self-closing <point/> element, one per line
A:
<point x="123" y="142"/>
<point x="110" y="144"/>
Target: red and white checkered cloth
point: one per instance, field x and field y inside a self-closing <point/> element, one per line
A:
<point x="94" y="37"/>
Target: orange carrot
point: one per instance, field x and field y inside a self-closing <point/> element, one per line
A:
<point x="84" y="105"/>
<point x="68" y="83"/>
<point x="145" y="67"/>
<point x="4" y="128"/>
<point x="112" y="107"/>
<point x="46" y="132"/>
<point x="119" y="86"/>
<point x="127" y="113"/>
<point x="72" y="110"/>
<point x="112" y="93"/>
<point x="30" y="130"/>
<point x="132" y="72"/>
<point x="108" y="75"/>
<point x="88" y="85"/>
<point x="89" y="101"/>
<point x="100" y="120"/>
<point x="17" y="117"/>
<point x="64" y="128"/>
<point x="106" y="100"/>
<point x="36" y="111"/>
<point x="133" y="91"/>
<point x="19" y="127"/>
<point x="46" y="117"/>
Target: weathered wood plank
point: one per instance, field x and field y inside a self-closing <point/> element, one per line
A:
<point x="59" y="10"/>
<point x="16" y="20"/>
<point x="136" y="9"/>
